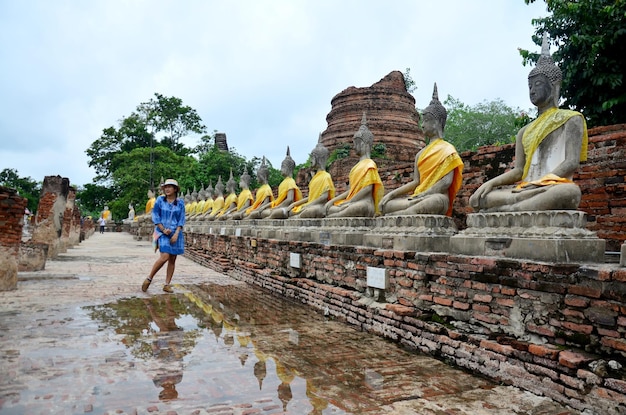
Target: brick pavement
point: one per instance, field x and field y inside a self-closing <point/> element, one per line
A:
<point x="80" y="337"/>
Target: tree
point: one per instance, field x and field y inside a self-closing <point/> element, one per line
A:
<point x="25" y="186"/>
<point x="591" y="52"/>
<point x="469" y="127"/>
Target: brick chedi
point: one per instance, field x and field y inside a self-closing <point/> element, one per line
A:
<point x="391" y="117"/>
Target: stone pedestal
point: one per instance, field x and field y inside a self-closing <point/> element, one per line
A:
<point x="553" y="236"/>
<point x="422" y="233"/>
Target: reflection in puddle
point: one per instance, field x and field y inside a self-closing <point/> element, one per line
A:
<point x="217" y="344"/>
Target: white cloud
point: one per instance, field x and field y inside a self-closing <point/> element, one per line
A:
<point x="263" y="71"/>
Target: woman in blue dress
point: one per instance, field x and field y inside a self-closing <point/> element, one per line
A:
<point x="168" y="215"/>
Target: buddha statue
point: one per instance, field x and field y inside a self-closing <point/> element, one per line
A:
<point x="218" y="202"/>
<point x="187" y="200"/>
<point x="548" y="151"/>
<point x="288" y="190"/>
<point x="245" y="199"/>
<point x="201" y="202"/>
<point x="438" y="173"/>
<point x="263" y="196"/>
<point x="230" y="202"/>
<point x="365" y="188"/>
<point x="106" y="214"/>
<point x="194" y="201"/>
<point x="150" y="202"/>
<point x="321" y="189"/>
<point x="208" y="201"/>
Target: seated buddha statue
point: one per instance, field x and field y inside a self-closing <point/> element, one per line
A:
<point x="230" y="202"/>
<point x="365" y="188"/>
<point x="548" y="151"/>
<point x="208" y="202"/>
<point x="288" y="190"/>
<point x="245" y="199"/>
<point x="218" y="202"/>
<point x="321" y="189"/>
<point x="263" y="196"/>
<point x="438" y="173"/>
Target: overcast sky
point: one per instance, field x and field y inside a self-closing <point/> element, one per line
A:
<point x="261" y="71"/>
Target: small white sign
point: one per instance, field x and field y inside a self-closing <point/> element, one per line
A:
<point x="377" y="278"/>
<point x="223" y="231"/>
<point x="238" y="232"/>
<point x="294" y="260"/>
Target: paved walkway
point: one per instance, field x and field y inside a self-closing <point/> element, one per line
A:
<point x="80" y="337"/>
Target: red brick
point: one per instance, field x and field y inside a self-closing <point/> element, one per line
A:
<point x="544" y="350"/>
<point x="573" y="360"/>
<point x="497" y="347"/>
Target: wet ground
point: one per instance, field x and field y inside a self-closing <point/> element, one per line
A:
<point x="81" y="338"/>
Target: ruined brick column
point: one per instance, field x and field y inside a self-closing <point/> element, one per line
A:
<point x="50" y="213"/>
<point x="391" y="117"/>
<point x="12" y="208"/>
<point x="70" y="232"/>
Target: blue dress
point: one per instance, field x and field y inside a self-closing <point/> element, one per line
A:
<point x="171" y="216"/>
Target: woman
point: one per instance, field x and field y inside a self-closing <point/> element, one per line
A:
<point x="168" y="215"/>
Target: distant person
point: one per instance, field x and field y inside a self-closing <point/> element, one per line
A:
<point x="168" y="215"/>
<point x="102" y="222"/>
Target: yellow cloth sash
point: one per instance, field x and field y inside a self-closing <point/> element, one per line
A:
<point x="319" y="184"/>
<point x="218" y="204"/>
<point x="547" y="122"/>
<point x="438" y="159"/>
<point x="208" y="205"/>
<point x="106" y="215"/>
<point x="244" y="196"/>
<point x="285" y="186"/>
<point x="262" y="193"/>
<point x="230" y="199"/>
<point x="192" y="207"/>
<point x="363" y="174"/>
<point x="150" y="204"/>
<point x="199" y="207"/>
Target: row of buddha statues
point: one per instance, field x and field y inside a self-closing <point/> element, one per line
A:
<point x="548" y="152"/>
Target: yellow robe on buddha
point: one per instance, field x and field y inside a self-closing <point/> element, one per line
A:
<point x="285" y="186"/>
<point x="208" y="205"/>
<point x="150" y="204"/>
<point x="436" y="160"/>
<point x="363" y="174"/>
<point x="199" y="207"/>
<point x="244" y="196"/>
<point x="320" y="183"/>
<point x="106" y="214"/>
<point x="534" y="134"/>
<point x="192" y="207"/>
<point x="218" y="204"/>
<point x="230" y="199"/>
<point x="262" y="193"/>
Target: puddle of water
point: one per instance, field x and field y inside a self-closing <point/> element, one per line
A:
<point x="217" y="344"/>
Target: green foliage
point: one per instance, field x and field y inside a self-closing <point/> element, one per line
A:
<point x="469" y="127"/>
<point x="409" y="83"/>
<point x="339" y="153"/>
<point x="92" y="198"/>
<point x="25" y="187"/>
<point x="379" y="150"/>
<point x="591" y="40"/>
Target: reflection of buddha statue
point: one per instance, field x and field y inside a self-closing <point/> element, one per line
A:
<point x="548" y="152"/>
<point x="286" y="376"/>
<point x="438" y="172"/>
<point x="218" y="202"/>
<point x="321" y="188"/>
<point x="245" y="199"/>
<point x="263" y="197"/>
<point x="288" y="190"/>
<point x="150" y="202"/>
<point x="365" y="186"/>
<point x="230" y="202"/>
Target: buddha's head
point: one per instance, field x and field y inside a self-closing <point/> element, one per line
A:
<point x="544" y="81"/>
<point x="263" y="172"/>
<point x="244" y="180"/>
<point x="219" y="187"/>
<point x="287" y="166"/>
<point x="231" y="184"/>
<point x="363" y="139"/>
<point x="319" y="155"/>
<point x="434" y="112"/>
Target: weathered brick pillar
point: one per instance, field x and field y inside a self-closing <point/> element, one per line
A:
<point x="50" y="213"/>
<point x="69" y="237"/>
<point x="12" y="208"/>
